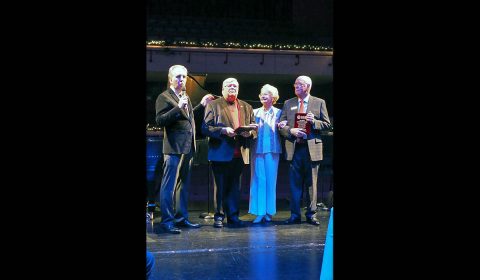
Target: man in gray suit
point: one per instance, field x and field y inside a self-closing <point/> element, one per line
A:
<point x="304" y="151"/>
<point x="175" y="114"/>
<point x="228" y="150"/>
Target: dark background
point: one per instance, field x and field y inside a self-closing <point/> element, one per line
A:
<point x="268" y="22"/>
<point x="78" y="188"/>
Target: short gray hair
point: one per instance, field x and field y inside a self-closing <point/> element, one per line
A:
<point x="229" y="81"/>
<point x="273" y="90"/>
<point x="172" y="68"/>
<point x="307" y="80"/>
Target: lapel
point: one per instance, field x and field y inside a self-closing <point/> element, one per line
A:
<point x="190" y="110"/>
<point x="241" y="110"/>
<point x="173" y="95"/>
<point x="226" y="112"/>
<point x="275" y="112"/>
<point x="314" y="105"/>
<point x="293" y="108"/>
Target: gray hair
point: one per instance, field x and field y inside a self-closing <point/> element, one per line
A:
<point x="172" y="68"/>
<point x="273" y="90"/>
<point x="307" y="80"/>
<point x="229" y="81"/>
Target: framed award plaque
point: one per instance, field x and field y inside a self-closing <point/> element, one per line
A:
<point x="301" y="122"/>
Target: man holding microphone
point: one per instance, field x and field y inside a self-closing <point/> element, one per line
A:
<point x="175" y="114"/>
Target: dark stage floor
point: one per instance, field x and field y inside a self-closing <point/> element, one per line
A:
<point x="266" y="251"/>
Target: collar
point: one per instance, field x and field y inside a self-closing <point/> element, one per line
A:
<point x="306" y="98"/>
<point x="269" y="111"/>
<point x="231" y="104"/>
<point x="173" y="89"/>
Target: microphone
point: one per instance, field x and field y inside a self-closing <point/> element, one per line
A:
<point x="182" y="94"/>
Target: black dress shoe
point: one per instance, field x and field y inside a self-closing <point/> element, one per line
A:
<point x="293" y="220"/>
<point x="171" y="229"/>
<point x="218" y="224"/>
<point x="235" y="222"/>
<point x="187" y="223"/>
<point x="313" y="221"/>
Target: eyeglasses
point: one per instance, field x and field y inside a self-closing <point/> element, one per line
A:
<point x="299" y="84"/>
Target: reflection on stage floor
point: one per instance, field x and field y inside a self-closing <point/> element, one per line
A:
<point x="257" y="251"/>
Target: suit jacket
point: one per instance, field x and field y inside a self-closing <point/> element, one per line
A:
<point x="322" y="122"/>
<point x="274" y="141"/>
<point x="220" y="146"/>
<point x="178" y="128"/>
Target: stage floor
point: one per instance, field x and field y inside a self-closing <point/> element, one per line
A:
<point x="265" y="251"/>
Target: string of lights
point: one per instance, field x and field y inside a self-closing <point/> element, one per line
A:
<point x="306" y="47"/>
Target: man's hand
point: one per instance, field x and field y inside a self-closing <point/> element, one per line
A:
<point x="230" y="132"/>
<point x="298" y="132"/>
<point x="206" y="99"/>
<point x="310" y="117"/>
<point x="183" y="102"/>
<point x="282" y="124"/>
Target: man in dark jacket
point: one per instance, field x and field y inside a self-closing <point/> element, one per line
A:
<point x="175" y="114"/>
